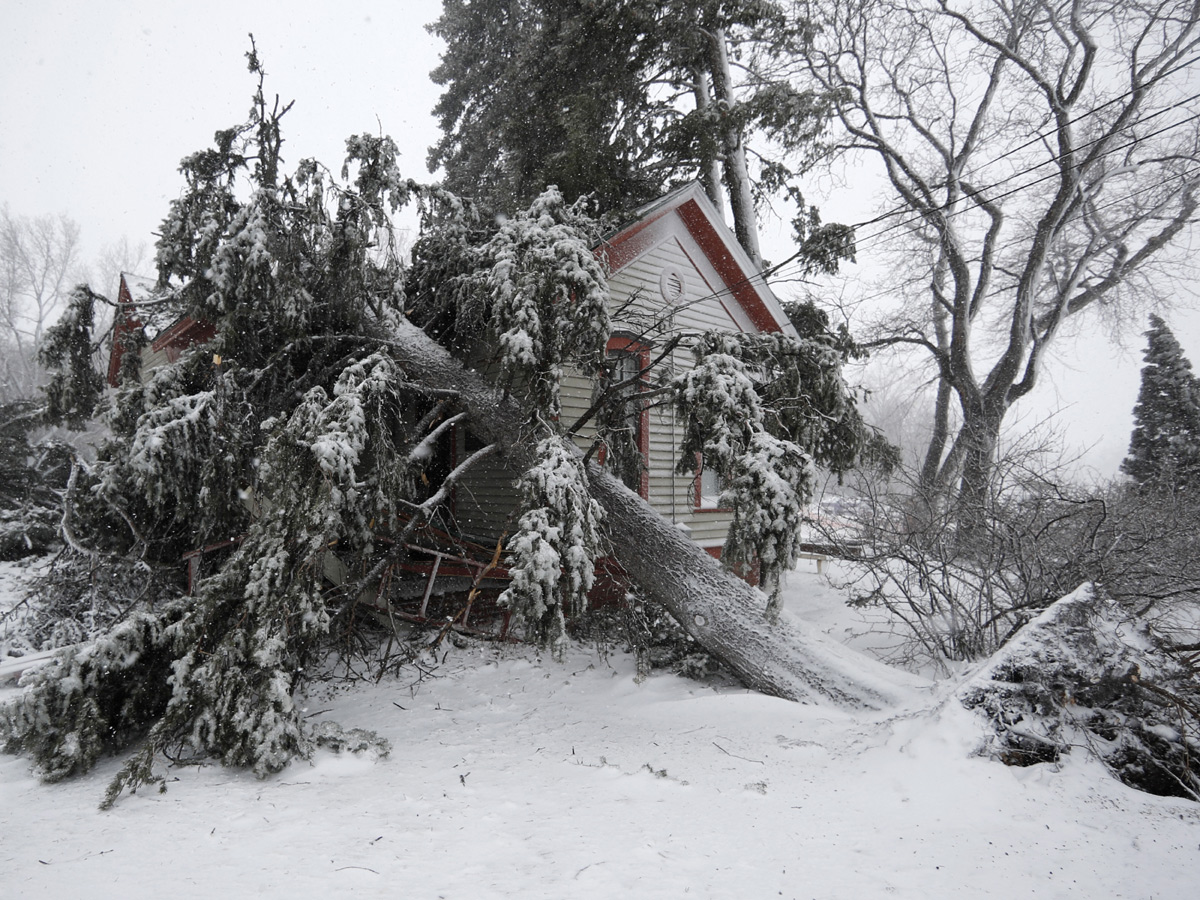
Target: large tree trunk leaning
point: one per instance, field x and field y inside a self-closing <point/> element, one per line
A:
<point x="723" y="613"/>
<point x="710" y="165"/>
<point x="737" y="173"/>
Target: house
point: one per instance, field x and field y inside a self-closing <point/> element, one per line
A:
<point x="138" y="310"/>
<point x="677" y="267"/>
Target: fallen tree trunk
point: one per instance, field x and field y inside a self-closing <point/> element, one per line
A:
<point x="720" y="611"/>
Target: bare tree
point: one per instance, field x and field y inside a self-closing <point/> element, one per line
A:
<point x="1045" y="154"/>
<point x="115" y="258"/>
<point x="39" y="258"/>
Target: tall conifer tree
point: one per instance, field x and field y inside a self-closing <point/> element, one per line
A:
<point x="619" y="100"/>
<point x="1165" y="445"/>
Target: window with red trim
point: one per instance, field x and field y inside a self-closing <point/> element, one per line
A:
<point x="628" y="419"/>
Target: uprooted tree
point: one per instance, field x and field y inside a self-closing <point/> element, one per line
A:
<point x="305" y="428"/>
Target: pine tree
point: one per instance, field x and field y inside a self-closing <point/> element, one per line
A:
<point x="293" y="430"/>
<point x="619" y="100"/>
<point x="32" y="475"/>
<point x="303" y="429"/>
<point x="1165" y="446"/>
<point x="67" y="352"/>
<point x="586" y="120"/>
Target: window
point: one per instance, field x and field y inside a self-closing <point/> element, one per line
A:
<point x="709" y="485"/>
<point x="627" y="421"/>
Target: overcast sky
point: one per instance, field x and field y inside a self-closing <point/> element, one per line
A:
<point x="100" y="100"/>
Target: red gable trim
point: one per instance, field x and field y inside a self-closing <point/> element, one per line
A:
<point x="183" y="334"/>
<point x="640" y="237"/>
<point x="630" y="243"/>
<point x="736" y="279"/>
<point x="174" y="340"/>
<point x="125" y="323"/>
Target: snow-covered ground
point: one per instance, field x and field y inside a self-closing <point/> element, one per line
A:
<point x="516" y="776"/>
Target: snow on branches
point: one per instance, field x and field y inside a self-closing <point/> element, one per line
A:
<point x="767" y="488"/>
<point x="760" y="410"/>
<point x="550" y="296"/>
<point x="66" y="351"/>
<point x="292" y="445"/>
<point x="87" y="702"/>
<point x="530" y="293"/>
<point x="257" y="622"/>
<point x="552" y="556"/>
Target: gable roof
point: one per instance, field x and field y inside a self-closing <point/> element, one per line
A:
<point x="688" y="211"/>
<point x="141" y="307"/>
<point x="132" y="289"/>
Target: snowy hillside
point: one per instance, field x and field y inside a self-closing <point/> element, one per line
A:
<point x="517" y="776"/>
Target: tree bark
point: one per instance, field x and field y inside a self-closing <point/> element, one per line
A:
<point x="737" y="173"/>
<point x="710" y="165"/>
<point x="720" y="611"/>
<point x="980" y="437"/>
<point x="945" y="390"/>
<point x="1016" y="259"/>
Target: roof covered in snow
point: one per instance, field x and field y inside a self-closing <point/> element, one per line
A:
<point x="138" y="288"/>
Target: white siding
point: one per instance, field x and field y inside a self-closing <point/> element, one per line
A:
<point x="487" y="499"/>
<point x="151" y="360"/>
<point x="703" y="307"/>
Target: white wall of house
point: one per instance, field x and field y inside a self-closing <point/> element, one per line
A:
<point x="670" y="286"/>
<point x="642" y="307"/>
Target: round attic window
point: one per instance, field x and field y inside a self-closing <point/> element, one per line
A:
<point x="671" y="285"/>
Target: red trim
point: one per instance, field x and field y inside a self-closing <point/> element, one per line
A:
<point x="629" y="345"/>
<point x="736" y="279"/>
<point x="748" y="573"/>
<point x="183" y="334"/>
<point x="714" y="241"/>
<point x="126" y="322"/>
<point x="611" y="585"/>
<point x="716" y="292"/>
<point x="627" y="245"/>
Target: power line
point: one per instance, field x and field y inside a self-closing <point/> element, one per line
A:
<point x="788" y="270"/>
<point x="867" y="240"/>
<point x="1180" y="176"/>
<point x="1041" y="136"/>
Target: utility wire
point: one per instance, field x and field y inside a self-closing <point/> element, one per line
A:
<point x="1042" y="136"/>
<point x="945" y="207"/>
<point x="1180" y="176"/>
<point x="788" y="271"/>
